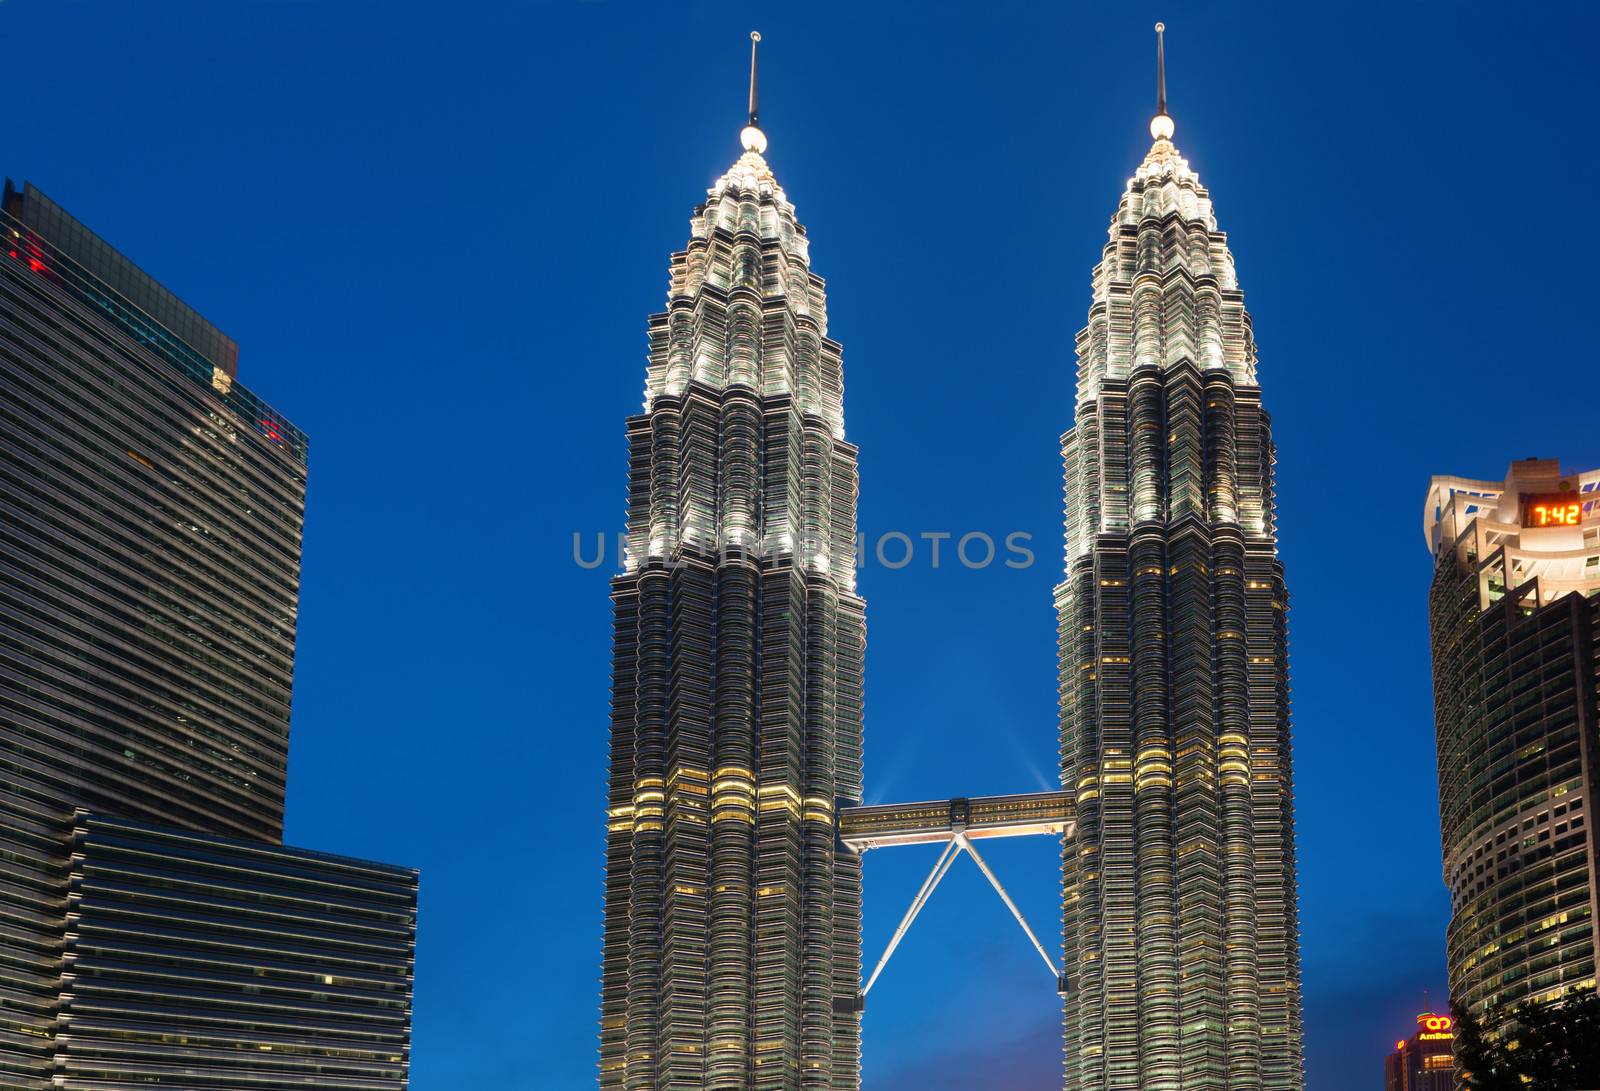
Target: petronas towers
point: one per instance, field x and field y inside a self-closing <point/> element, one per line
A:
<point x="731" y="920"/>
<point x="732" y="935"/>
<point x="1178" y="890"/>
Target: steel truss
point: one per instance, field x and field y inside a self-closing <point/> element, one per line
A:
<point x="947" y="822"/>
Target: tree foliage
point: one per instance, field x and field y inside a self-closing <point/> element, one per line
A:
<point x="1553" y="1046"/>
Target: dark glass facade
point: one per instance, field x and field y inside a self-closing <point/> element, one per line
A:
<point x="210" y="963"/>
<point x="151" y="512"/>
<point x="121" y="278"/>
<point x="149" y="571"/>
<point x="152" y="569"/>
<point x="1514" y="610"/>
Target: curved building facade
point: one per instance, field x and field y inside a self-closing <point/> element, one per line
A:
<point x="732" y="919"/>
<point x="1514" y="610"/>
<point x="1181" y="965"/>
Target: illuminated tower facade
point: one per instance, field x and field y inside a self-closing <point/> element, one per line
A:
<point x="1515" y="612"/>
<point x="732" y="918"/>
<point x="1181" y="946"/>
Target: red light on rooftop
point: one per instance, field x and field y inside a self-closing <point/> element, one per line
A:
<point x="30" y="251"/>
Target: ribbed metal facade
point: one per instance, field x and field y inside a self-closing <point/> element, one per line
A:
<point x="1515" y="613"/>
<point x="212" y="964"/>
<point x="1180" y="920"/>
<point x="732" y="919"/>
<point x="150" y="522"/>
<point x="149" y="569"/>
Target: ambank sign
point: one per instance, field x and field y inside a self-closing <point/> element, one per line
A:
<point x="1435" y="1028"/>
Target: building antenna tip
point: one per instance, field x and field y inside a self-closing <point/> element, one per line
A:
<point x="752" y="138"/>
<point x="1161" y="126"/>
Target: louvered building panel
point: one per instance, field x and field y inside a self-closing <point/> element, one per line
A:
<point x="151" y="510"/>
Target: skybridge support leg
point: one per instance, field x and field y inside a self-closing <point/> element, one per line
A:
<point x="1011" y="905"/>
<point x="951" y="850"/>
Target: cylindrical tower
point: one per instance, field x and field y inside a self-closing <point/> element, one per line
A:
<point x="1515" y="612"/>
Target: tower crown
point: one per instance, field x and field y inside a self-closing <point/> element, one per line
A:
<point x="750" y="170"/>
<point x="750" y="251"/>
<point x="1165" y="291"/>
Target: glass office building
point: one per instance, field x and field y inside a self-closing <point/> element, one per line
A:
<point x="151" y="550"/>
<point x="211" y="963"/>
<point x="1181" y="942"/>
<point x="732" y="917"/>
<point x="1514" y="612"/>
<point x="151" y="513"/>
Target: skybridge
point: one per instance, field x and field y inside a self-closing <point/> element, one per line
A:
<point x="955" y="823"/>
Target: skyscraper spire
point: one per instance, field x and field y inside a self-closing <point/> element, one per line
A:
<point x="755" y="86"/>
<point x="732" y="957"/>
<point x="1180" y="925"/>
<point x="1161" y="127"/>
<point x="753" y="139"/>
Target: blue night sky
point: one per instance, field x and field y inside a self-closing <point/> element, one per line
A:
<point x="436" y="231"/>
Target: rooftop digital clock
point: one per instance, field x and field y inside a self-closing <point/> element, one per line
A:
<point x="1560" y="509"/>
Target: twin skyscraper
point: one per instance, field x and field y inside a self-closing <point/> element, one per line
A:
<point x="732" y="951"/>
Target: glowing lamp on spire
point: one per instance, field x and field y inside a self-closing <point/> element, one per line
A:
<point x="1161" y="126"/>
<point x="751" y="138"/>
